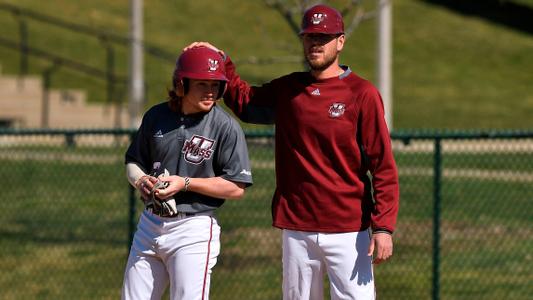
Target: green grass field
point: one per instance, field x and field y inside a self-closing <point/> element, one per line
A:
<point x="64" y="228"/>
<point x="450" y="70"/>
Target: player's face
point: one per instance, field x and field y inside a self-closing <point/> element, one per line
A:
<point x="201" y="96"/>
<point x="322" y="50"/>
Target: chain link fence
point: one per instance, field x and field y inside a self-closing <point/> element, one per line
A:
<point x="464" y="230"/>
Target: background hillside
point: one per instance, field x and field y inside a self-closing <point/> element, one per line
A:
<point x="450" y="70"/>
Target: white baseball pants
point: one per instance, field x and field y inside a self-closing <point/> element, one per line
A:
<point x="307" y="256"/>
<point x="180" y="250"/>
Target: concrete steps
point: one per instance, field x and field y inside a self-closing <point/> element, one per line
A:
<point x="20" y="101"/>
<point x="21" y="106"/>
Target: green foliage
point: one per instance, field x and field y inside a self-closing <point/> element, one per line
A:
<point x="450" y="70"/>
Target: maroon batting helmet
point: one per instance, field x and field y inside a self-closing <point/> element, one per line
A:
<point x="200" y="63"/>
<point x="322" y="19"/>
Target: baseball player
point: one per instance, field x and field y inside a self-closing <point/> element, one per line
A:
<point x="186" y="158"/>
<point x="330" y="134"/>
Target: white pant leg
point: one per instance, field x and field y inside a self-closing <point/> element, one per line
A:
<point x="303" y="272"/>
<point x="348" y="266"/>
<point x="145" y="276"/>
<point x="191" y="249"/>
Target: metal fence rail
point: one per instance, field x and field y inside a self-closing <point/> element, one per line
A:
<point x="464" y="229"/>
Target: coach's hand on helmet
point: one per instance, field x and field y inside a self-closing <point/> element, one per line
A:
<point x="203" y="44"/>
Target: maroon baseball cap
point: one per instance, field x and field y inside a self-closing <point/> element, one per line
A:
<point x="322" y="19"/>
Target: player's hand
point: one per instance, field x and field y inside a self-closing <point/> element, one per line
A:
<point x="203" y="44"/>
<point x="175" y="184"/>
<point x="145" y="184"/>
<point x="381" y="245"/>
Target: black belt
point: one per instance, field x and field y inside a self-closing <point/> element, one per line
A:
<point x="183" y="215"/>
<point x="209" y="213"/>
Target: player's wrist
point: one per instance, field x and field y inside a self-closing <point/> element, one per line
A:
<point x="187" y="182"/>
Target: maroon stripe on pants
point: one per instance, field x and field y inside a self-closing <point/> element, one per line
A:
<point x="207" y="258"/>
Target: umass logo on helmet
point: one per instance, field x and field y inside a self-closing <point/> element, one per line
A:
<point x="197" y="149"/>
<point x="213" y="64"/>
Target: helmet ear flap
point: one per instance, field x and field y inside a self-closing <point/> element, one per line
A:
<point x="221" y="89"/>
<point x="180" y="89"/>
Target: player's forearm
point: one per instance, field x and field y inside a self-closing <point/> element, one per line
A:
<point x="217" y="187"/>
<point x="134" y="173"/>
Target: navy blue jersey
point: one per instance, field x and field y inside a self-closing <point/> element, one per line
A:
<point x="200" y="145"/>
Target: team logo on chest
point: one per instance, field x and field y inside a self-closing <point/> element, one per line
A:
<point x="197" y="149"/>
<point x="336" y="109"/>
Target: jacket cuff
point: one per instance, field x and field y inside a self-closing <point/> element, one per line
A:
<point x="381" y="230"/>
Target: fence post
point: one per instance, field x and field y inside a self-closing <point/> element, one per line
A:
<point x="110" y="69"/>
<point x="131" y="218"/>
<point x="70" y="142"/>
<point x="436" y="218"/>
<point x="45" y="105"/>
<point x="23" y="45"/>
<point x="110" y="72"/>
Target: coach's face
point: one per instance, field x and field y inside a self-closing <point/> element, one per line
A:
<point x="201" y="96"/>
<point x="322" y="50"/>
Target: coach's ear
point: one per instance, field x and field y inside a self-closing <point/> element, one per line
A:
<point x="179" y="90"/>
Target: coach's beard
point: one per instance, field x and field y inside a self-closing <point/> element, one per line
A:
<point x="317" y="66"/>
